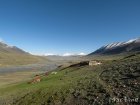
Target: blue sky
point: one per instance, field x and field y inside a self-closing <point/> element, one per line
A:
<point x="73" y="26"/>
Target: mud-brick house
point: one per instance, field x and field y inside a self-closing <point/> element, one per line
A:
<point x="36" y="79"/>
<point x="94" y="63"/>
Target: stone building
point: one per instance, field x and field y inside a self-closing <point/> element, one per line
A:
<point x="94" y="63"/>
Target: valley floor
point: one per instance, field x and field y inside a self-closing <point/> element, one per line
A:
<point x="115" y="82"/>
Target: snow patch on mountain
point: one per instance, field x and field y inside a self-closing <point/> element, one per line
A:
<point x="119" y="44"/>
<point x="113" y="45"/>
<point x="131" y="41"/>
<point x="137" y="40"/>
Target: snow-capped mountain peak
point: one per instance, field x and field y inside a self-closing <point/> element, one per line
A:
<point x="137" y="40"/>
<point x="131" y="41"/>
<point x="119" y="44"/>
<point x="119" y="47"/>
<point x="113" y="45"/>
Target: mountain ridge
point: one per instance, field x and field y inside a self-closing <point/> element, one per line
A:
<point x="12" y="55"/>
<point x="118" y="48"/>
<point x="10" y="49"/>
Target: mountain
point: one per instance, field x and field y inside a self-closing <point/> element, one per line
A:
<point x="64" y="58"/>
<point x="5" y="48"/>
<point x="12" y="55"/>
<point x="118" y="48"/>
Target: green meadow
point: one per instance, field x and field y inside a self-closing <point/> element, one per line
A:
<point x="80" y="85"/>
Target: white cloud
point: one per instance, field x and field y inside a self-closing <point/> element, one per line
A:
<point x="67" y="54"/>
<point x="49" y="54"/>
<point x="81" y="53"/>
<point x="34" y="53"/>
<point x="41" y="54"/>
<point x="72" y="54"/>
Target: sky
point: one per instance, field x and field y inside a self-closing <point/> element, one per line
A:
<point x="68" y="26"/>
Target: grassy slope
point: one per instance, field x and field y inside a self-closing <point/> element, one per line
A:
<point x="8" y="59"/>
<point x="80" y="85"/>
<point x="17" y="77"/>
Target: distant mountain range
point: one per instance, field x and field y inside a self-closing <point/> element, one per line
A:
<point x="12" y="55"/>
<point x="5" y="48"/>
<point x="118" y="48"/>
<point x="64" y="58"/>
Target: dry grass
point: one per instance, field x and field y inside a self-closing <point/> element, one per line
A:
<point x="16" y="77"/>
<point x="8" y="59"/>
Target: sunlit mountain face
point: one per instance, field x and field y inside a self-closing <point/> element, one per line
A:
<point x="10" y="49"/>
<point x="119" y="47"/>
